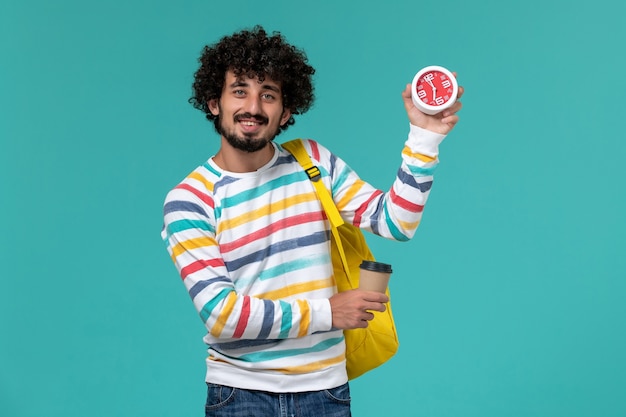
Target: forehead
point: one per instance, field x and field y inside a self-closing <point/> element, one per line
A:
<point x="232" y="79"/>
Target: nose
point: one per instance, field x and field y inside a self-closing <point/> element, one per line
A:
<point x="253" y="104"/>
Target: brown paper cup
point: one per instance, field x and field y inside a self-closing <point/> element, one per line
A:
<point x="374" y="276"/>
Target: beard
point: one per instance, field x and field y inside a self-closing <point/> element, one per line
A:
<point x="245" y="143"/>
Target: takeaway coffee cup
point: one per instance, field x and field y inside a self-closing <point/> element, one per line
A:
<point x="374" y="276"/>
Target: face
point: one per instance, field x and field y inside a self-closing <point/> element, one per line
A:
<point x="249" y="113"/>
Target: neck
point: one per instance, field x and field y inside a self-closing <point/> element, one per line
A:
<point x="236" y="160"/>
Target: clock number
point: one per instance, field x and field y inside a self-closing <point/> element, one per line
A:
<point x="439" y="100"/>
<point x="429" y="77"/>
<point x="446" y="83"/>
<point x="421" y="94"/>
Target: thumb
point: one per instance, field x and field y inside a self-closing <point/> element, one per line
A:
<point x="407" y="99"/>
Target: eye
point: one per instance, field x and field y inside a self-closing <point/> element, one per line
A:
<point x="268" y="97"/>
<point x="239" y="92"/>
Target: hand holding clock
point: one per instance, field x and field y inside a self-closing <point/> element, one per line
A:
<point x="426" y="109"/>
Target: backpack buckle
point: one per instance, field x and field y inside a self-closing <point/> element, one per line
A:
<point x="314" y="173"/>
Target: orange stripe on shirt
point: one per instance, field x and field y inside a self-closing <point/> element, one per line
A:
<point x="354" y="188"/>
<point x="191" y="244"/>
<point x="305" y="320"/>
<point x="311" y="367"/>
<point x="196" y="176"/>
<point x="221" y="320"/>
<point x="297" y="289"/>
<point x="424" y="158"/>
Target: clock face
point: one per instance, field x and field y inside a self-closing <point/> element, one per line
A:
<point x="435" y="88"/>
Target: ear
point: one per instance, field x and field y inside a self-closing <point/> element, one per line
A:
<point x="285" y="116"/>
<point x="214" y="106"/>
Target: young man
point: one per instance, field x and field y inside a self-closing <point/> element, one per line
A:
<point x="250" y="239"/>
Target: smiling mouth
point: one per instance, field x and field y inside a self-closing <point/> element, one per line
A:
<point x="248" y="119"/>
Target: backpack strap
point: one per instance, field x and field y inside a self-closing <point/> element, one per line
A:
<point x="296" y="148"/>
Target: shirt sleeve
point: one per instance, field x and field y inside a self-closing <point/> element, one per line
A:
<point x="395" y="213"/>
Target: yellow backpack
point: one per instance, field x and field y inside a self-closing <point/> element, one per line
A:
<point x="374" y="345"/>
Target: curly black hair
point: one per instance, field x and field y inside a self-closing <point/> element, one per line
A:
<point x="254" y="53"/>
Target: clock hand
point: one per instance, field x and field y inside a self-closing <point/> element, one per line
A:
<point x="431" y="84"/>
<point x="433" y="87"/>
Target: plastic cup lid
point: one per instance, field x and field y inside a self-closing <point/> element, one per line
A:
<point x="376" y="266"/>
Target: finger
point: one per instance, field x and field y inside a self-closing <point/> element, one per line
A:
<point x="364" y="317"/>
<point x="361" y="324"/>
<point x="451" y="120"/>
<point x="380" y="308"/>
<point x="376" y="307"/>
<point x="369" y="295"/>
<point x="460" y="92"/>
<point x="406" y="97"/>
<point x="452" y="110"/>
<point x="407" y="91"/>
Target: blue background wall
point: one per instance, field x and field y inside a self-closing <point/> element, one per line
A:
<point x="510" y="301"/>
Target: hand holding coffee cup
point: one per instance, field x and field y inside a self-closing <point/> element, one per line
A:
<point x="374" y="276"/>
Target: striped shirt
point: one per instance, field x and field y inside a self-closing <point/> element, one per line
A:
<point x="253" y="251"/>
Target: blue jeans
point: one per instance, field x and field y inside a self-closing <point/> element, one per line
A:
<point x="223" y="401"/>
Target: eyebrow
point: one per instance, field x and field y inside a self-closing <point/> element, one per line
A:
<point x="242" y="83"/>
